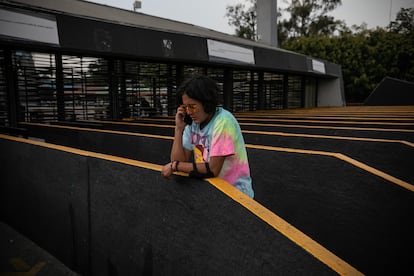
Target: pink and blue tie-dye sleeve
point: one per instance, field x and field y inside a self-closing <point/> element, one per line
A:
<point x="222" y="143"/>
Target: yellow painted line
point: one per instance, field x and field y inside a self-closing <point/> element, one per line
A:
<point x="285" y="134"/>
<point x="406" y="118"/>
<point x="379" y="173"/>
<point x="369" y="117"/>
<point x="166" y="119"/>
<point x="331" y="127"/>
<point x="342" y="157"/>
<point x="103" y="131"/>
<point x="259" y="124"/>
<point x="341" y="110"/>
<point x="325" y="122"/>
<point x="128" y="161"/>
<point x="290" y="150"/>
<point x="19" y="264"/>
<point x="273" y="125"/>
<point x="22" y="268"/>
<point x="329" y="137"/>
<point x="394" y="114"/>
<point x="362" y="114"/>
<point x="267" y="119"/>
<point x="407" y="143"/>
<point x="130" y="123"/>
<point x="286" y="229"/>
<point x="270" y="119"/>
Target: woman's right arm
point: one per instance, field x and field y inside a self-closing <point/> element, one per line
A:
<point x="178" y="152"/>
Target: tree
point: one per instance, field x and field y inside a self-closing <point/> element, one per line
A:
<point x="307" y="17"/>
<point x="310" y="17"/>
<point x="244" y="19"/>
<point x="404" y="22"/>
<point x="366" y="57"/>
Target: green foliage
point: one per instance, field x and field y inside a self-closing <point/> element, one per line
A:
<point x="309" y="17"/>
<point x="404" y="23"/>
<point x="244" y="19"/>
<point x="366" y="57"/>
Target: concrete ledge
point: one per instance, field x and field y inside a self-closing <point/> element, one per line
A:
<point x="129" y="145"/>
<point x="44" y="195"/>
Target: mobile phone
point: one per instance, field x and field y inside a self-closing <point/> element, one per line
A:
<point x="187" y="119"/>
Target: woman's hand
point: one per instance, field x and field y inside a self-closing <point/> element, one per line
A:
<point x="166" y="170"/>
<point x="179" y="118"/>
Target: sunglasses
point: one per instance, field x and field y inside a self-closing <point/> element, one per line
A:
<point x="189" y="107"/>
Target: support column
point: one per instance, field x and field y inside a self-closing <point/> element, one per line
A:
<point x="285" y="91"/>
<point x="113" y="90"/>
<point x="11" y="90"/>
<point x="260" y="91"/>
<point x="60" y="92"/>
<point x="228" y="89"/>
<point x="267" y="22"/>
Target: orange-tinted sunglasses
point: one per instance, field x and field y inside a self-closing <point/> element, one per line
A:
<point x="189" y="107"/>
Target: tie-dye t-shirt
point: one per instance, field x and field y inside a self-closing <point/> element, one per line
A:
<point x="221" y="137"/>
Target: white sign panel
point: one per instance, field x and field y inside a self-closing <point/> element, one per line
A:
<point x="318" y="66"/>
<point x="28" y="27"/>
<point x="228" y="52"/>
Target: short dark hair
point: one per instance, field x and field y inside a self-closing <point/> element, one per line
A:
<point x="202" y="89"/>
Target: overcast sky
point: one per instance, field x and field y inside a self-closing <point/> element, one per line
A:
<point x="211" y="13"/>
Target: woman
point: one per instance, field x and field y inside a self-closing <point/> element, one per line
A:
<point x="207" y="139"/>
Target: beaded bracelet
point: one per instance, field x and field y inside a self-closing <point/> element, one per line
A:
<point x="176" y="165"/>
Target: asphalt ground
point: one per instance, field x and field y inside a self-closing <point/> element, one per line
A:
<point x="352" y="195"/>
<point x="20" y="256"/>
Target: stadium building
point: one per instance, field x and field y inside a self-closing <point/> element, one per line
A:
<point x="77" y="60"/>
